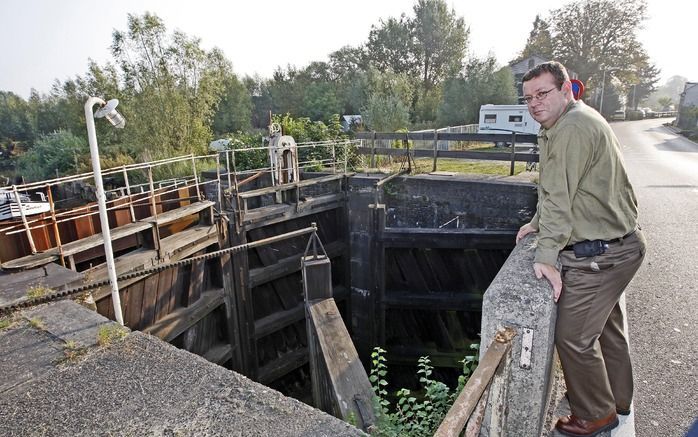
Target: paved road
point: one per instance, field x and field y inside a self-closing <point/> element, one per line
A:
<point x="662" y="301"/>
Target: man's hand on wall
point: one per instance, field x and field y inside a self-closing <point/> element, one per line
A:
<point x="552" y="275"/>
<point x="525" y="230"/>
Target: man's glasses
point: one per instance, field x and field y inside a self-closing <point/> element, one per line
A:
<point x="540" y="96"/>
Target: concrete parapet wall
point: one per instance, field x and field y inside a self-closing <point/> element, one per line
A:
<point x="516" y="298"/>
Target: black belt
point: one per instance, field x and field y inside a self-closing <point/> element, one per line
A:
<point x="615" y="240"/>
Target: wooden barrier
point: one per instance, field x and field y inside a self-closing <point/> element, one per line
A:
<point x="340" y="384"/>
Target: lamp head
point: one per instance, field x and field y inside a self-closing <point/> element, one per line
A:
<point x="113" y="116"/>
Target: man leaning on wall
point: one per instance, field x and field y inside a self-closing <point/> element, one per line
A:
<point x="589" y="248"/>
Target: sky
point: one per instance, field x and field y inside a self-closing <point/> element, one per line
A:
<point x="45" y="40"/>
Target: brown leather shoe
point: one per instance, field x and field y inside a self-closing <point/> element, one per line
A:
<point x="576" y="427"/>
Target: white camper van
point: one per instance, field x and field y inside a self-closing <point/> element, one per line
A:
<point x="503" y="119"/>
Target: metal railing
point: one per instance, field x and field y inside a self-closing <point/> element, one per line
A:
<point x="128" y="196"/>
<point x="368" y="146"/>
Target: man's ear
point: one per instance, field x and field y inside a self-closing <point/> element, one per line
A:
<point x="567" y="86"/>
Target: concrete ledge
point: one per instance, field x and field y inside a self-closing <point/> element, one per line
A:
<point x="516" y="298"/>
<point x="138" y="386"/>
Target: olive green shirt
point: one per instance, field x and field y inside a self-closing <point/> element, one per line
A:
<point x="584" y="192"/>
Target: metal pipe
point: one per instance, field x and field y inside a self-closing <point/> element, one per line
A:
<point x="218" y="180"/>
<point x="153" y="208"/>
<point x="24" y="219"/>
<point x="103" y="218"/>
<point x="55" y="225"/>
<point x="130" y="199"/>
<point x="196" y="177"/>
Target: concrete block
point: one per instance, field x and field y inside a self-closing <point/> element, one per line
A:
<point x="516" y="298"/>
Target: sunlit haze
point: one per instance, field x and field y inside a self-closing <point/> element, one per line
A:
<point x="42" y="40"/>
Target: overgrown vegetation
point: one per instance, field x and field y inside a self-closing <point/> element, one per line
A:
<point x="414" y="414"/>
<point x="37" y="323"/>
<point x="38" y="291"/>
<point x="7" y="322"/>
<point x="110" y="333"/>
<point x="72" y="352"/>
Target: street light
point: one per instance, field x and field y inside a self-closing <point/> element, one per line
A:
<point x="108" y="111"/>
<point x="603" y="85"/>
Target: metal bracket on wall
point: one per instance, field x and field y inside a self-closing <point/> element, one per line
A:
<point x="526" y="348"/>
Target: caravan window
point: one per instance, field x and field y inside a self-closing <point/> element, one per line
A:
<point x="515" y="118"/>
<point x="490" y="118"/>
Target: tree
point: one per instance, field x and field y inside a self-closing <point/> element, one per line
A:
<point x="440" y="41"/>
<point x="453" y="109"/>
<point x="60" y="152"/>
<point x="234" y="111"/>
<point x="391" y="46"/>
<point x="15" y="118"/>
<point x="320" y="101"/>
<point x="644" y="81"/>
<point x="484" y="83"/>
<point x="664" y="102"/>
<point x="427" y="48"/>
<point x="540" y="41"/>
<point x="385" y="113"/>
<point x="590" y="36"/>
<point x="173" y="86"/>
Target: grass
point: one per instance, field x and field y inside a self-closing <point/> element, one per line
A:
<point x="6" y="322"/>
<point x="72" y="352"/>
<point x="37" y="323"/>
<point x="478" y="167"/>
<point x="110" y="334"/>
<point x="37" y="291"/>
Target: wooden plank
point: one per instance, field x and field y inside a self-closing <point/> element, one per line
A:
<point x="163" y="299"/>
<point x="231" y="309"/>
<point x="74" y="247"/>
<point x="284" y="187"/>
<point x="446" y="136"/>
<point x="134" y="305"/>
<point x="188" y="238"/>
<point x="219" y="354"/>
<point x="244" y="305"/>
<point x="456" y="154"/>
<point x="181" y="319"/>
<point x="448" y="301"/>
<point x="338" y="377"/>
<point x="195" y="240"/>
<point x="150" y="296"/>
<point x="193" y="293"/>
<point x="281" y="319"/>
<point x="289" y="265"/>
<point x="283" y="365"/>
<point x="184" y="211"/>
<point x="463" y="407"/>
<point x="310" y="207"/>
<point x="449" y="238"/>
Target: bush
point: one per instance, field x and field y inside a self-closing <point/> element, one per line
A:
<point x="414" y="414"/>
<point x="59" y="151"/>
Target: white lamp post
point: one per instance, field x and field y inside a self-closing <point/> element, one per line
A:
<point x="108" y="111"/>
<point x="603" y="86"/>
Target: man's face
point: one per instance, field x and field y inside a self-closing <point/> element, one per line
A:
<point x="547" y="109"/>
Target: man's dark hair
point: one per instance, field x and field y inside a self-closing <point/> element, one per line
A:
<point x="555" y="68"/>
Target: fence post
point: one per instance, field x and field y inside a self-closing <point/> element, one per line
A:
<point x="436" y="151"/>
<point x="513" y="153"/>
<point x="373" y="150"/>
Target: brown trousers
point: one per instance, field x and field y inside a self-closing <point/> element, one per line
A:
<point x="589" y="335"/>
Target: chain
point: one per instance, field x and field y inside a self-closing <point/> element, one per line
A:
<point x="56" y="295"/>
